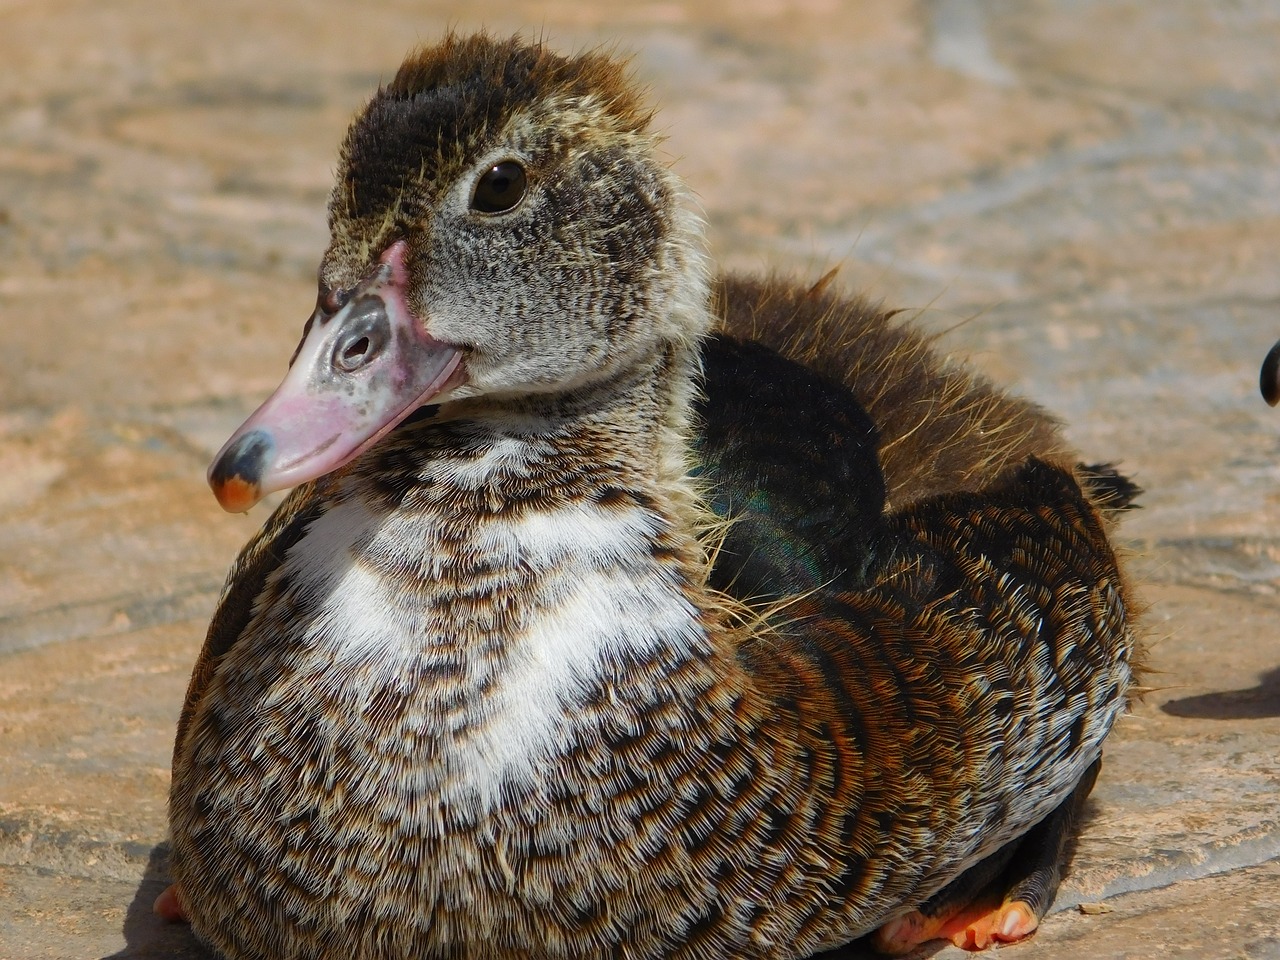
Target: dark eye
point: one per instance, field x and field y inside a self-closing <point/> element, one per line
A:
<point x="500" y="188"/>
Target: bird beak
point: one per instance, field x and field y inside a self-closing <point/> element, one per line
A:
<point x="357" y="374"/>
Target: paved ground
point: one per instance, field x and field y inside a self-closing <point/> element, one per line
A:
<point x="1084" y="196"/>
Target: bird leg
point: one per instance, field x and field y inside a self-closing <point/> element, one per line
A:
<point x="169" y="905"/>
<point x="1000" y="899"/>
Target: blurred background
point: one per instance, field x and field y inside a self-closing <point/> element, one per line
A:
<point x="1083" y="198"/>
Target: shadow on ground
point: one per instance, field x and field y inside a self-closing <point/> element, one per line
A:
<point x="1253" y="703"/>
<point x="146" y="936"/>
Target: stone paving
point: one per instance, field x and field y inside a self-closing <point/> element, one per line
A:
<point x="1083" y="197"/>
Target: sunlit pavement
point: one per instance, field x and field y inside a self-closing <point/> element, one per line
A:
<point x="1083" y="198"/>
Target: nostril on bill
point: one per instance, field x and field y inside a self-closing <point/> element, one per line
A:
<point x="365" y="332"/>
<point x="354" y="354"/>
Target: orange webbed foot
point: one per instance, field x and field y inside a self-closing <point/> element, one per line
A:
<point x="975" y="927"/>
<point x="169" y="905"/>
<point x="1008" y="923"/>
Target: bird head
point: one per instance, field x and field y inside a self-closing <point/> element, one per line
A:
<point x="501" y="226"/>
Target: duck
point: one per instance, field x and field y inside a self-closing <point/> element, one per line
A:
<point x="622" y="610"/>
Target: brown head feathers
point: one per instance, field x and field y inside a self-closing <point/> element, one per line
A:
<point x="448" y="100"/>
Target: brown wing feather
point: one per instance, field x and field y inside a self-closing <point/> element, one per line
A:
<point x="942" y="428"/>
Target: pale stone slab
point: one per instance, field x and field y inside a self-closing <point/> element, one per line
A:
<point x="1098" y="227"/>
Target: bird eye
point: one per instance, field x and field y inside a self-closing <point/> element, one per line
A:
<point x="499" y="188"/>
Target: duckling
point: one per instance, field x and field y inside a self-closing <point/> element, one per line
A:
<point x="616" y="612"/>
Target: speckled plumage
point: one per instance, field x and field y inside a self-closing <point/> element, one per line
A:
<point x="498" y="688"/>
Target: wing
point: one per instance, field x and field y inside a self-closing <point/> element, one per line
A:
<point x="788" y="457"/>
<point x="942" y="428"/>
<point x="958" y="697"/>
